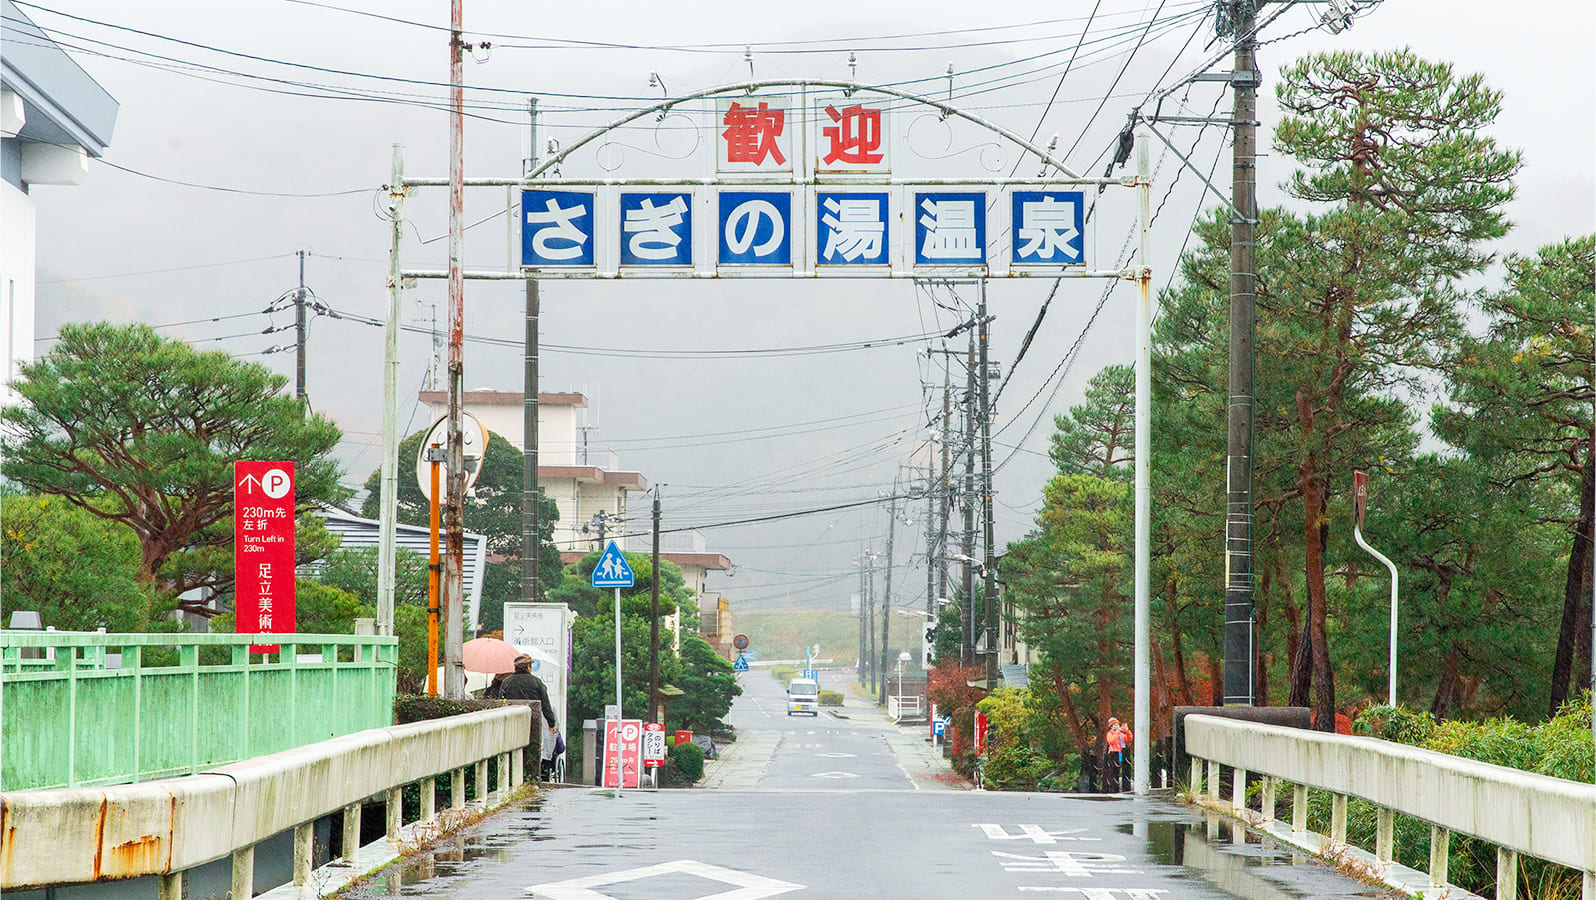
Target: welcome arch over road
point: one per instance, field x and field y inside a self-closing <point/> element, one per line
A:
<point x="805" y="178"/>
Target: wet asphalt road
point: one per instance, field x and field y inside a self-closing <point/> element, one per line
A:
<point x="886" y="831"/>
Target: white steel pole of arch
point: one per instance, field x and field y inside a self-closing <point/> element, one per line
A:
<point x="1144" y="402"/>
<point x="1360" y="491"/>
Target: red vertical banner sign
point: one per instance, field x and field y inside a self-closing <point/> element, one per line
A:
<point x="980" y="732"/>
<point x="1360" y="492"/>
<point x="263" y="549"/>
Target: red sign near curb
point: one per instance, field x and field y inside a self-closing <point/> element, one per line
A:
<point x="263" y="549"/>
<point x="623" y="752"/>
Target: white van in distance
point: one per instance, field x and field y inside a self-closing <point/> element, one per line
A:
<point x="803" y="696"/>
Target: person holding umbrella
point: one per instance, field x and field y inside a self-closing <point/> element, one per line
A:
<point x="521" y="684"/>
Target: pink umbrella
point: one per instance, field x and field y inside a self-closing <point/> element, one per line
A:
<point x="490" y="656"/>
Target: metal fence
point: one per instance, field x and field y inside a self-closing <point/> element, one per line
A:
<point x="95" y="709"/>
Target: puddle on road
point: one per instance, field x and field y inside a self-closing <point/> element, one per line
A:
<point x="1244" y="863"/>
<point x="454" y="854"/>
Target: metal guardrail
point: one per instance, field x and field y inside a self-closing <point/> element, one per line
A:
<point x="905" y="707"/>
<point x="95" y="709"/>
<point x="166" y="828"/>
<point x="1520" y="812"/>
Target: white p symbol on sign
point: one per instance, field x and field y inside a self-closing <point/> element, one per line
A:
<point x="276" y="483"/>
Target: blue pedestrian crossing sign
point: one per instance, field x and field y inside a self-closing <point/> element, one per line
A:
<point x="741" y="665"/>
<point x="613" y="571"/>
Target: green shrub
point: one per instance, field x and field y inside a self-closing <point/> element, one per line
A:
<point x="1560" y="747"/>
<point x="1016" y="768"/>
<point x="1405" y="726"/>
<point x="783" y="674"/>
<point x="830" y="698"/>
<point x="687" y="758"/>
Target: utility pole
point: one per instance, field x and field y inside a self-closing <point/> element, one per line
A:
<point x="387" y="527"/>
<point x="454" y="512"/>
<point x="989" y="563"/>
<point x="930" y="547"/>
<point x="870" y="618"/>
<point x="653" y="621"/>
<point x="530" y="526"/>
<point x="967" y="614"/>
<point x="944" y="486"/>
<point x="299" y="337"/>
<point x="861" y="611"/>
<point x="886" y="594"/>
<point x="1238" y="641"/>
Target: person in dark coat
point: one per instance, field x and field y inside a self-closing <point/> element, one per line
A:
<point x="521" y="684"/>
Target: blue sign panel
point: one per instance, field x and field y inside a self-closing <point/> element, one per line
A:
<point x="657" y="229"/>
<point x="557" y="228"/>
<point x="612" y="570"/>
<point x="741" y="665"/>
<point x="755" y="228"/>
<point x="852" y="229"/>
<point x="1048" y="227"/>
<point x="949" y="228"/>
<point x="939" y="727"/>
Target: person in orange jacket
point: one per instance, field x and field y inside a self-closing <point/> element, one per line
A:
<point x="1117" y="739"/>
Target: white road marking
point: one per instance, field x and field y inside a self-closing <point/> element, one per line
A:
<point x="1103" y="893"/>
<point x="1070" y="865"/>
<point x="751" y="886"/>
<point x="835" y="755"/>
<point x="1036" y="834"/>
<point x="834" y="775"/>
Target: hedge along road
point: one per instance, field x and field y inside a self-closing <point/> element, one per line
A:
<point x="782" y="823"/>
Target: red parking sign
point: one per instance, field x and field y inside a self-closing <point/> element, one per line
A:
<point x="263" y="549"/>
<point x="623" y="752"/>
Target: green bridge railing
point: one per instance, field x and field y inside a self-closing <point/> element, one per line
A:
<point x="82" y="709"/>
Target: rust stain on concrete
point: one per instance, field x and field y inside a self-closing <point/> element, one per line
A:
<point x="141" y="856"/>
<point x="99" y="836"/>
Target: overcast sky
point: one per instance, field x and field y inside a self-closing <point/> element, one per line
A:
<point x="731" y="437"/>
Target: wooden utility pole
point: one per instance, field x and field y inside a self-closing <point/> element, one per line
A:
<point x="886" y="595"/>
<point x="653" y="621"/>
<point x="454" y="511"/>
<point x="531" y="551"/>
<point x="988" y="559"/>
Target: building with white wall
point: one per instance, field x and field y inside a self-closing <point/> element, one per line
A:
<point x="53" y="117"/>
<point x="576" y="487"/>
<point x="573" y="478"/>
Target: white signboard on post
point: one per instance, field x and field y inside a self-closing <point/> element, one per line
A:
<point x="546" y="629"/>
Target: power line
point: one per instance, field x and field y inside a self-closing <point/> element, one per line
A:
<point x="212" y="265"/>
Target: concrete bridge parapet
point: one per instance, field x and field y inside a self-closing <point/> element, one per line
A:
<point x="82" y="835"/>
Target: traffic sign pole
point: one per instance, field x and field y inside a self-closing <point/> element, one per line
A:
<point x="618" y="649"/>
<point x="613" y="571"/>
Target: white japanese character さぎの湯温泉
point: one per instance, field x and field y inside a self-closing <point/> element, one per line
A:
<point x="557" y="228"/>
<point x="1047" y="227"/>
<point x="950" y="228"/>
<point x="852" y="229"/>
<point x="755" y="228"/>
<point x="656" y="229"/>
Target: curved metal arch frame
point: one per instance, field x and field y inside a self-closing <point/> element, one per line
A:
<point x="749" y="87"/>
